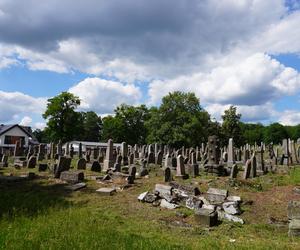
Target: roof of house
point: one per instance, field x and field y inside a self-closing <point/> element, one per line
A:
<point x="26" y="130"/>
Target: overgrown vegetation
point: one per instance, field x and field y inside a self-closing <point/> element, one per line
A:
<point x="42" y="214"/>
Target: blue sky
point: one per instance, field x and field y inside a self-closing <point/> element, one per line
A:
<point x="150" y="48"/>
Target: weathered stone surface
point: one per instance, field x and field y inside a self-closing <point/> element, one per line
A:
<point x="206" y="217"/>
<point x="168" y="174"/>
<point x="217" y="195"/>
<point x="31" y="162"/>
<point x="193" y="203"/>
<point x="247" y="170"/>
<point x="81" y="164"/>
<point x="234" y="171"/>
<point x="294" y="228"/>
<point x="224" y="216"/>
<point x="72" y="176"/>
<point x="234" y="198"/>
<point x="294" y="210"/>
<point x="231" y="207"/>
<point x="77" y="186"/>
<point x="96" y="167"/>
<point x="106" y="191"/>
<point x="64" y="164"/>
<point x="168" y="205"/>
<point x="142" y="196"/>
<point x="163" y="189"/>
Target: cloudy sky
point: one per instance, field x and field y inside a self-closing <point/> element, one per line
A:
<point x="230" y="52"/>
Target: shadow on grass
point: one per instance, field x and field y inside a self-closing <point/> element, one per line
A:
<point x="31" y="198"/>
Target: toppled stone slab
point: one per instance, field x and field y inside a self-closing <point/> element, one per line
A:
<point x="148" y="197"/>
<point x="224" y="216"/>
<point x="184" y="191"/>
<point x="142" y="196"/>
<point x="168" y="205"/>
<point x="163" y="189"/>
<point x="77" y="186"/>
<point x="72" y="176"/>
<point x="206" y="217"/>
<point x="193" y="203"/>
<point x="231" y="207"/>
<point x="234" y="198"/>
<point x="217" y="195"/>
<point x="106" y="191"/>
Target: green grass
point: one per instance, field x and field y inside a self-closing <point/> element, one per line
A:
<point x="41" y="214"/>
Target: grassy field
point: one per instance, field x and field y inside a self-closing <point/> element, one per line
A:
<point x="43" y="214"/>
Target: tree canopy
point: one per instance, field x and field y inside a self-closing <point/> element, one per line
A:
<point x="178" y="121"/>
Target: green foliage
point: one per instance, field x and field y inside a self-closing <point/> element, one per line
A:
<point x="231" y="126"/>
<point x="127" y="125"/>
<point x="63" y="121"/>
<point x="252" y="133"/>
<point x="91" y="127"/>
<point x="179" y="121"/>
<point x="275" y="133"/>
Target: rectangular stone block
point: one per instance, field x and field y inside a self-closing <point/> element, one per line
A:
<point x="294" y="228"/>
<point x="72" y="176"/>
<point x="217" y="195"/>
<point x="206" y="217"/>
<point x="106" y="191"/>
<point x="294" y="210"/>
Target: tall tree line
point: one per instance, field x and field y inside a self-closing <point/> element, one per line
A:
<point x="178" y="121"/>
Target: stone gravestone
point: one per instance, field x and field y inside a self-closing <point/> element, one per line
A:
<point x="168" y="174"/>
<point x="168" y="161"/>
<point x="132" y="173"/>
<point x="96" y="167"/>
<point x="234" y="171"/>
<point x="193" y="166"/>
<point x="151" y="158"/>
<point x="4" y="161"/>
<point x="124" y="153"/>
<point x="230" y="150"/>
<point x="80" y="150"/>
<point x="212" y="166"/>
<point x="63" y="164"/>
<point x="81" y="164"/>
<point x="31" y="162"/>
<point x="131" y="158"/>
<point x="159" y="158"/>
<point x="253" y="166"/>
<point x="72" y="176"/>
<point x="108" y="162"/>
<point x="247" y="170"/>
<point x="180" y="170"/>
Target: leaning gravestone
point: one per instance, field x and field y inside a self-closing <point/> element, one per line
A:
<point x="247" y="169"/>
<point x="64" y="164"/>
<point x="253" y="167"/>
<point x="31" y="162"/>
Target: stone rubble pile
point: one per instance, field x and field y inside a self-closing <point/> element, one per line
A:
<point x="209" y="207"/>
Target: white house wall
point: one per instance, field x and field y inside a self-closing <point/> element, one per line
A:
<point x="16" y="131"/>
